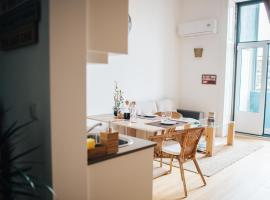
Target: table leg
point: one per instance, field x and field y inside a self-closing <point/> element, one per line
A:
<point x="231" y="133"/>
<point x="210" y="140"/>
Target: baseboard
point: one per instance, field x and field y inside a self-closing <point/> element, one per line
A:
<point x="244" y="135"/>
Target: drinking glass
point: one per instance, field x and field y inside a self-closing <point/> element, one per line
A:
<point x="163" y="116"/>
<point x="168" y="115"/>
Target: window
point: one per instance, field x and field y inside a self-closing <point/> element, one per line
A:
<point x="253" y="23"/>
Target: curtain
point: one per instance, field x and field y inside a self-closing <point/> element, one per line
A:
<point x="267" y="6"/>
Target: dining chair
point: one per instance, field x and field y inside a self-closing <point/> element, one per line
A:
<point x="183" y="147"/>
<point x="175" y="115"/>
<point x="158" y="139"/>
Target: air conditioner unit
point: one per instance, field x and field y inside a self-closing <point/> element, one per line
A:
<point x="196" y="28"/>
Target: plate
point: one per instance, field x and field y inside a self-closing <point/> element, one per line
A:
<point x="168" y="122"/>
<point x="150" y="116"/>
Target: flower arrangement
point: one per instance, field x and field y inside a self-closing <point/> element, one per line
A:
<point x="118" y="98"/>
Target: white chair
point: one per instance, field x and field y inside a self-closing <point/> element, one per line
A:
<point x="164" y="105"/>
<point x="146" y="107"/>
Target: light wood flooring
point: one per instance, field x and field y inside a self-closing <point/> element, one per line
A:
<point x="247" y="179"/>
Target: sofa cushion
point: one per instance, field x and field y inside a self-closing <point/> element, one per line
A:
<point x="191" y="114"/>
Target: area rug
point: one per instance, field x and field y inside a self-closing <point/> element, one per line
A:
<point x="224" y="157"/>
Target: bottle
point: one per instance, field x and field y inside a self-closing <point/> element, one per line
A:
<point x="127" y="110"/>
<point x="133" y="112"/>
<point x="211" y="119"/>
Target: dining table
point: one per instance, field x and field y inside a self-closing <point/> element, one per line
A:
<point x="145" y="127"/>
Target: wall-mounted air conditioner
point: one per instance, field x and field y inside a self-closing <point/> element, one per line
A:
<point x="196" y="28"/>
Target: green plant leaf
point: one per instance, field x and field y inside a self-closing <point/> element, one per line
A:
<point x="15" y="143"/>
<point x="16" y="129"/>
<point x="18" y="171"/>
<point x="39" y="184"/>
<point x="26" y="178"/>
<point x="20" y="184"/>
<point x="13" y="125"/>
<point x="3" y="135"/>
<point x="24" y="153"/>
<point x="28" y="162"/>
<point x="25" y="193"/>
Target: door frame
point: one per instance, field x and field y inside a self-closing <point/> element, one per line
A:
<point x="266" y="88"/>
<point x="238" y="5"/>
<point x="266" y="46"/>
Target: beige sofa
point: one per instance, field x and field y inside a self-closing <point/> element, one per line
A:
<point x="151" y="107"/>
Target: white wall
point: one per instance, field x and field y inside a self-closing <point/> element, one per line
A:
<point x="162" y="64"/>
<point x="152" y="67"/>
<point x="194" y="95"/>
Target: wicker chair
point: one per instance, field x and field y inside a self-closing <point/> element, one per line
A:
<point x="185" y="149"/>
<point x="175" y="115"/>
<point x="158" y="139"/>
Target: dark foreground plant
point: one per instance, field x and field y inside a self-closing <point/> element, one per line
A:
<point x="15" y="178"/>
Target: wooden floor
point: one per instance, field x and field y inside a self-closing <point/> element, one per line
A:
<point x="247" y="179"/>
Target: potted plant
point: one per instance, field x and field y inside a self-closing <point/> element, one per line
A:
<point x="15" y="178"/>
<point x="118" y="99"/>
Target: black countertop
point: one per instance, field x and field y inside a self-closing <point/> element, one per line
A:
<point x="138" y="145"/>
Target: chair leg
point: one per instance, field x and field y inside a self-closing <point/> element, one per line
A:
<point x="199" y="170"/>
<point x="171" y="161"/>
<point x="183" y="177"/>
<point x="161" y="162"/>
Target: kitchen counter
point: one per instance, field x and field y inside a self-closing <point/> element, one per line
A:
<point x="127" y="174"/>
<point x="137" y="145"/>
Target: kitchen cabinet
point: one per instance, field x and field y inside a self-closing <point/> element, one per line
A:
<point x="97" y="57"/>
<point x="125" y="177"/>
<point x="107" y="26"/>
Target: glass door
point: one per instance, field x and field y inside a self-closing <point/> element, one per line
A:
<point x="250" y="94"/>
<point x="252" y="85"/>
<point x="267" y="100"/>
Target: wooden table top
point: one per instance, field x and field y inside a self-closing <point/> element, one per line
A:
<point x="141" y="123"/>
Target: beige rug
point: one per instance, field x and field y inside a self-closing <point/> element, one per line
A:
<point x="224" y="157"/>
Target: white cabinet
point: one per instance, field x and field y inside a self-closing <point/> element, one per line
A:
<point x="107" y="26"/>
<point x="128" y="177"/>
<point x="97" y="57"/>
